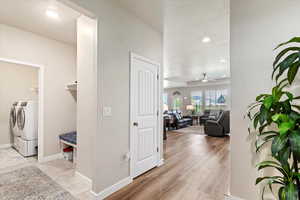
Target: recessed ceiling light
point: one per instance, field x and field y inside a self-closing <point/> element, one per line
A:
<point x="206" y="40"/>
<point x="222" y="61"/>
<point x="52" y="13"/>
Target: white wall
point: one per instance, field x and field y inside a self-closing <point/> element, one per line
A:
<point x="15" y="83"/>
<point x="256" y="28"/>
<point x="59" y="61"/>
<point x="86" y="94"/>
<point x="187" y="91"/>
<point x="119" y="32"/>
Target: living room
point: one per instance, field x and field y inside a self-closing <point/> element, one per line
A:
<point x="198" y="104"/>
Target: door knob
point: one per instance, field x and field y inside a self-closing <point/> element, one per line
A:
<point x="135" y="124"/>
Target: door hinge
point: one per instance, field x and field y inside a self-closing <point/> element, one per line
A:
<point x="157" y="77"/>
<point x="157" y="113"/>
<point x="157" y="149"/>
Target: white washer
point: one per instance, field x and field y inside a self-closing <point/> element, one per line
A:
<point x="13" y="119"/>
<point x="27" y="123"/>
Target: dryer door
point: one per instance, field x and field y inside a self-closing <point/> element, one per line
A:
<point x="21" y="118"/>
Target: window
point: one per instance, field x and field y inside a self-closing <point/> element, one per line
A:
<point x="196" y="100"/>
<point x="177" y="102"/>
<point x="165" y="101"/>
<point x="215" y="98"/>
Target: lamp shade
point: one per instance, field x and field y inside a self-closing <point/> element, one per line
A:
<point x="166" y="107"/>
<point x="190" y="107"/>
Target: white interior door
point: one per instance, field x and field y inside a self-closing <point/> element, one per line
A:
<point x="144" y="115"/>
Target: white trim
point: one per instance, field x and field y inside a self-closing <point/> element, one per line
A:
<point x="110" y="190"/>
<point x="159" y="118"/>
<point x="51" y="158"/>
<point x="229" y="197"/>
<point x="5" y="146"/>
<point x="41" y="102"/>
<point x="160" y="163"/>
<point x="83" y="176"/>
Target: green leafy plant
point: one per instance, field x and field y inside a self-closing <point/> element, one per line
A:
<point x="276" y="119"/>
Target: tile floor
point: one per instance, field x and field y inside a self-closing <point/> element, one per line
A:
<point x="61" y="171"/>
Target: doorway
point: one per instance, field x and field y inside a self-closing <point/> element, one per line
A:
<point x="26" y="109"/>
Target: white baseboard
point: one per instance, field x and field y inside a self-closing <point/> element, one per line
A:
<point x="114" y="188"/>
<point x="160" y="163"/>
<point x="52" y="157"/>
<point x="83" y="176"/>
<point x="5" y="146"/>
<point x="229" y="197"/>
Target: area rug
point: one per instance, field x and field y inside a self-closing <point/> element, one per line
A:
<point x="198" y="130"/>
<point x="30" y="183"/>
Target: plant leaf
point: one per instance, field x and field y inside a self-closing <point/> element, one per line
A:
<point x="283" y="157"/>
<point x="297" y="98"/>
<point x="268" y="132"/>
<point x="272" y="164"/>
<point x="260" y="179"/>
<point x="263" y="115"/>
<point x="295" y="39"/>
<point x="268" y="101"/>
<point x="285" y="127"/>
<point x="278" y="144"/>
<point x="293" y="72"/>
<point x="294" y="139"/>
<point x="259" y="97"/>
<point x="256" y="119"/>
<point x="296" y="106"/>
<point x="283" y="52"/>
<point x="285" y="64"/>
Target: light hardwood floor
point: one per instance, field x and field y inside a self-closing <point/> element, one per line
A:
<point x="196" y="167"/>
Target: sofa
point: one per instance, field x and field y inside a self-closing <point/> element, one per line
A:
<point x="219" y="127"/>
<point x="210" y="115"/>
<point x="178" y="121"/>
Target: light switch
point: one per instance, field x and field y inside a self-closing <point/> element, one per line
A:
<point x="107" y="111"/>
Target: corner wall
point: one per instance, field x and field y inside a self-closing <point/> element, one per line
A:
<point x="256" y="28"/>
<point x="119" y="33"/>
<point x="86" y="94"/>
<point x="59" y="62"/>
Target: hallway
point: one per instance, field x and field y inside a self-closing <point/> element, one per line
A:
<point x="196" y="167"/>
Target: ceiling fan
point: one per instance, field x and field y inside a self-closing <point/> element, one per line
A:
<point x="205" y="79"/>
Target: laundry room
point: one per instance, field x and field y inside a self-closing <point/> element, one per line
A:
<point x="47" y="84"/>
<point x="19" y="107"/>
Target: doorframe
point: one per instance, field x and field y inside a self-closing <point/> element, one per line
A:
<point x="41" y="104"/>
<point x="159" y="131"/>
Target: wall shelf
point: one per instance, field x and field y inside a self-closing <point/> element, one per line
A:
<point x="72" y="86"/>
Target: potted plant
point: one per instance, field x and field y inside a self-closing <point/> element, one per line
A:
<point x="275" y="117"/>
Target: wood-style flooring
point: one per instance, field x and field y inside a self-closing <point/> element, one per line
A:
<point x="196" y="167"/>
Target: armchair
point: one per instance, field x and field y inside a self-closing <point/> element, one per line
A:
<point x="219" y="127"/>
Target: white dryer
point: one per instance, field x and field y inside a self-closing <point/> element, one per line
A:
<point x="27" y="124"/>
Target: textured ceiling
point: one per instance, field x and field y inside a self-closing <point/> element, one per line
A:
<point x="184" y="24"/>
<point x="186" y="57"/>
